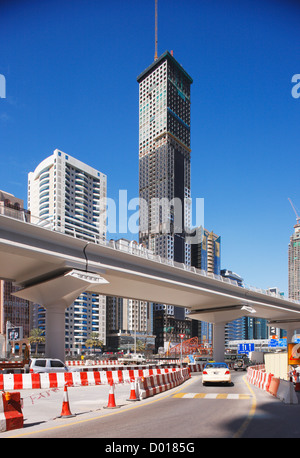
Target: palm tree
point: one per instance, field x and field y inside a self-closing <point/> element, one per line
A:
<point x="140" y="346"/>
<point x="36" y="336"/>
<point x="94" y="341"/>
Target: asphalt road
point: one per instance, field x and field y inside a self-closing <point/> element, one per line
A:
<point x="180" y="416"/>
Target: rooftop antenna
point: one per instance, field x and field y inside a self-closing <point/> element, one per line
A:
<point x="297" y="216"/>
<point x="155" y="55"/>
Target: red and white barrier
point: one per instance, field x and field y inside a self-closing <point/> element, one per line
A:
<point x="58" y="380"/>
<point x="112" y="362"/>
<point x="92" y="362"/>
<point x="281" y="389"/>
<point x="196" y="367"/>
<point x="11" y="416"/>
<point x="154" y="384"/>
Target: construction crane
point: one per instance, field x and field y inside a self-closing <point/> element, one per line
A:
<point x="297" y="216"/>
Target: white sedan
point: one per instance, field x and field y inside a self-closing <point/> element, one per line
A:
<point x="217" y="373"/>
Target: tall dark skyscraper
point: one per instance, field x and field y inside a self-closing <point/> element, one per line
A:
<point x="164" y="157"/>
<point x="164" y="176"/>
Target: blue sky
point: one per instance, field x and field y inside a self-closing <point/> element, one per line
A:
<point x="70" y="69"/>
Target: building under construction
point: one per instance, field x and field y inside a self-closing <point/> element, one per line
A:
<point x="164" y="175"/>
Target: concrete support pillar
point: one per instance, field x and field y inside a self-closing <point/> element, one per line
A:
<point x="290" y="333"/>
<point x="218" y="341"/>
<point x="55" y="332"/>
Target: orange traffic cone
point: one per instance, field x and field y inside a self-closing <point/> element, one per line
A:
<point x="132" y="392"/>
<point x="65" y="412"/>
<point x="111" y="397"/>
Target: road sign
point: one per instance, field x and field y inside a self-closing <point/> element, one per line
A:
<point x="282" y="342"/>
<point x="182" y="336"/>
<point x="273" y="343"/>
<point x="245" y="347"/>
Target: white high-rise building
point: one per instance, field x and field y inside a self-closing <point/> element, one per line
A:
<point x="71" y="196"/>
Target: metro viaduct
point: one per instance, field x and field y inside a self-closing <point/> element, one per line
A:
<point x="53" y="269"/>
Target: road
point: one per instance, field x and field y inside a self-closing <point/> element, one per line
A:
<point x="184" y="414"/>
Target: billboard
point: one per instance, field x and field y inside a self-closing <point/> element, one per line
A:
<point x="15" y="333"/>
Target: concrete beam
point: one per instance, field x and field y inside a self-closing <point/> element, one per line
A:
<point x="56" y="295"/>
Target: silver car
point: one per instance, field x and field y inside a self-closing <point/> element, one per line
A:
<point x="40" y="365"/>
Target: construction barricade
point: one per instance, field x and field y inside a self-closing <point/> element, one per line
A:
<point x="59" y="380"/>
<point x="281" y="389"/>
<point x="154" y="384"/>
<point x="11" y="416"/>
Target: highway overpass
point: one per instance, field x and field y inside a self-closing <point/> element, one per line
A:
<point x="53" y="269"/>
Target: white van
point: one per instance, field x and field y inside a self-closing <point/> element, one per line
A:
<point x="40" y="365"/>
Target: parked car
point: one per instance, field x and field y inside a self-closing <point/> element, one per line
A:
<point x="40" y="365"/>
<point x="216" y="372"/>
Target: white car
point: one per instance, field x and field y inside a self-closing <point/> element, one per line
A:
<point x="39" y="365"/>
<point x="216" y="373"/>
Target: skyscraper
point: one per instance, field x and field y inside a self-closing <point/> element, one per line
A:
<point x="164" y="175"/>
<point x="164" y="157"/>
<point x="294" y="263"/>
<point x="71" y="196"/>
<point x="205" y="253"/>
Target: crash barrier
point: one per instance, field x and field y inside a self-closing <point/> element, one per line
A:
<point x="193" y="367"/>
<point x="57" y="380"/>
<point x="154" y="384"/>
<point x="127" y="367"/>
<point x="281" y="389"/>
<point x="109" y="362"/>
<point x="257" y="376"/>
<point x="196" y="367"/>
<point x="91" y="362"/>
<point x="11" y="416"/>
